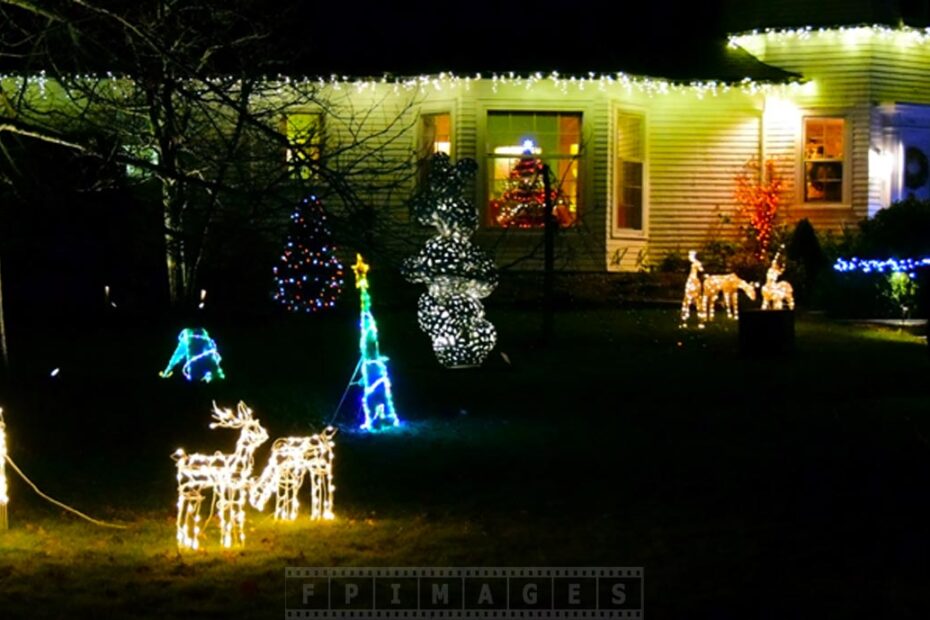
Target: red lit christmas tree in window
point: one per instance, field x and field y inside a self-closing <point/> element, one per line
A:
<point x="309" y="276"/>
<point x="523" y="202"/>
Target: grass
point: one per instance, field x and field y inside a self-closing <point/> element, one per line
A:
<point x="745" y="487"/>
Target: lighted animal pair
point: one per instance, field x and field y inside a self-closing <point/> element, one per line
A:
<point x="703" y="296"/>
<point x="230" y="478"/>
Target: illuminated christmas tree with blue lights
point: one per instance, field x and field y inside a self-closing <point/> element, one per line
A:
<point x="372" y="373"/>
<point x="309" y="277"/>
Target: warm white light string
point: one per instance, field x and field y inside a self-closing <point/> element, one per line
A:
<point x="445" y="81"/>
<point x="901" y="34"/>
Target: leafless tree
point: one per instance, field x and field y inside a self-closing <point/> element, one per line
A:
<point x="178" y="93"/>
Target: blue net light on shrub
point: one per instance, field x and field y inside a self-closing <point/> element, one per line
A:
<point x="894" y="265"/>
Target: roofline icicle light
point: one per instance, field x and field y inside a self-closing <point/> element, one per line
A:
<point x="601" y="81"/>
<point x="855" y="34"/>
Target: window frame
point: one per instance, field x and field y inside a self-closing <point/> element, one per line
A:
<point x="320" y="143"/>
<point x="433" y="109"/>
<point x="484" y="156"/>
<point x="846" y="183"/>
<point x="616" y="231"/>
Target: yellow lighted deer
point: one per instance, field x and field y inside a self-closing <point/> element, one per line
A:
<point x="228" y="475"/>
<point x="291" y="459"/>
<point x="776" y="294"/>
<point x="729" y="285"/>
<point x="693" y="291"/>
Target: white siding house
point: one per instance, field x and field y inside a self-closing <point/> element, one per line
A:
<point x="647" y="166"/>
<point x="848" y="130"/>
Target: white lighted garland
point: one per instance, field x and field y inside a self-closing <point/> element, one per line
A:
<point x="291" y="460"/>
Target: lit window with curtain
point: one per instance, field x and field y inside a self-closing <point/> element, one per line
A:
<point x="824" y="150"/>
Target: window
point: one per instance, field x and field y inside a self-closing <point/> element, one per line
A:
<point x="435" y="137"/>
<point x="824" y="142"/>
<point x="630" y="155"/>
<point x="304" y="131"/>
<point x="435" y="134"/>
<point x="519" y="143"/>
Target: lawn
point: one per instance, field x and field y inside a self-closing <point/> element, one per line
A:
<point x="745" y="487"/>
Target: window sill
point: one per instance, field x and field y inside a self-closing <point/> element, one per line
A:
<point x="629" y="234"/>
<point x="831" y="206"/>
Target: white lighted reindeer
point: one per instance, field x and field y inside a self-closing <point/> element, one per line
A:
<point x="693" y="292"/>
<point x="776" y="294"/>
<point x="728" y="285"/>
<point x="291" y="459"/>
<point x="228" y="475"/>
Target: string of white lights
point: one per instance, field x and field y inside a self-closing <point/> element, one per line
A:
<point x="904" y="35"/>
<point x="441" y="82"/>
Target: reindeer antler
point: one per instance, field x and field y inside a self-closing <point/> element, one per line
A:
<point x="243" y="412"/>
<point x="224" y="418"/>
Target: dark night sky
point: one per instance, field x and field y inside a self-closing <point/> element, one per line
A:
<point x="371" y="37"/>
<point x="681" y="39"/>
<point x="672" y="38"/>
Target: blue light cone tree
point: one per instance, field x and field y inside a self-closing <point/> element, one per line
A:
<point x="377" y="400"/>
<point x="309" y="277"/>
<point x="458" y="274"/>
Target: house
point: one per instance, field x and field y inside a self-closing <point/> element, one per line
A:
<point x="647" y="165"/>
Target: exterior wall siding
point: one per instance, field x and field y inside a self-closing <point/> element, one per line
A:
<point x="695" y="146"/>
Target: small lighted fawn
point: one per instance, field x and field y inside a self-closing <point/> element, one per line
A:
<point x="290" y="460"/>
<point x="693" y="292"/>
<point x="729" y="286"/>
<point x="229" y="475"/>
<point x="775" y="294"/>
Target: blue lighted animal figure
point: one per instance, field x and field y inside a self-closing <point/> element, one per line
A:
<point x="198" y="353"/>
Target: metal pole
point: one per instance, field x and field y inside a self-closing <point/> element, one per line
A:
<point x="549" y="257"/>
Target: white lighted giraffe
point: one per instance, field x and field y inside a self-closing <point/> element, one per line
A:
<point x="228" y="475"/>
